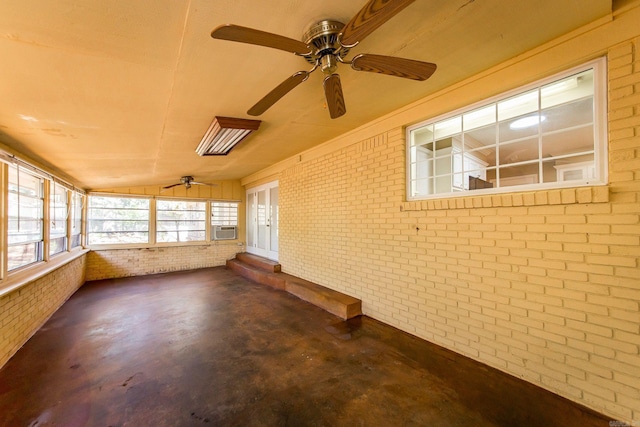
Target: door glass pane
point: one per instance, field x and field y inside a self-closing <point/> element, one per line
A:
<point x="250" y="216"/>
<point x="262" y="219"/>
<point x="273" y="214"/>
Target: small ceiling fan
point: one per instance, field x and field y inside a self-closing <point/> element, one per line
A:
<point x="187" y="181"/>
<point x="325" y="46"/>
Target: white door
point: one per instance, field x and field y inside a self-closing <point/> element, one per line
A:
<point x="262" y="220"/>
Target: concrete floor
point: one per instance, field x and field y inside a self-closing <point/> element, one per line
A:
<point x="207" y="347"/>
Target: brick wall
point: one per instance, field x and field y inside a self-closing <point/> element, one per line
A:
<point x="113" y="263"/>
<point x="542" y="285"/>
<point x="24" y="311"/>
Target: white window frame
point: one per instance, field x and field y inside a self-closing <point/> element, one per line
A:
<point x="150" y="229"/>
<point x="599" y="130"/>
<point x="204" y="220"/>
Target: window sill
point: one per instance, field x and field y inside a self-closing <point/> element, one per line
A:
<point x="565" y="196"/>
<point x="235" y="242"/>
<point x="16" y="280"/>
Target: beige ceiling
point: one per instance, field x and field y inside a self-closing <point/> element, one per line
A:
<point x="114" y="93"/>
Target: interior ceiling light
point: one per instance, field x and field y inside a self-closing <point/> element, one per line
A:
<point x="224" y="134"/>
<point x="526" y="122"/>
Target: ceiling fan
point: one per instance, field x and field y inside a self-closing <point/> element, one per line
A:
<point x="187" y="181"/>
<point x="325" y="46"/>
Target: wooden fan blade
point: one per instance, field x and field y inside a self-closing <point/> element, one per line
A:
<point x="392" y="66"/>
<point x="171" y="186"/>
<point x="236" y="33"/>
<point x="333" y="94"/>
<point x="369" y="18"/>
<point x="204" y="183"/>
<point x="281" y="90"/>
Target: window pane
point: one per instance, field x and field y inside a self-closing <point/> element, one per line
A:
<point x="180" y="221"/>
<point x="75" y="240"/>
<point x="568" y="129"/>
<point x="118" y="214"/>
<point x="448" y="127"/>
<point x="520" y="151"/>
<point x="480" y="137"/>
<point x="118" y="220"/>
<point x="572" y="88"/>
<point x="518" y="105"/>
<point x="180" y="236"/>
<point x="422" y="136"/>
<point x="103" y="238"/>
<point x="479" y="118"/>
<point x="167" y="225"/>
<point x="518" y="175"/>
<point x="251" y="206"/>
<point x="57" y="245"/>
<point x="423" y="172"/>
<point x="573" y="168"/>
<point x="24" y="254"/>
<point x="117" y="226"/>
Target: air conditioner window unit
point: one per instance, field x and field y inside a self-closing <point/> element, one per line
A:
<point x="225" y="232"/>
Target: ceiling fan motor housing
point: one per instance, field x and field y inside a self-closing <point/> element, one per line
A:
<point x="323" y="36"/>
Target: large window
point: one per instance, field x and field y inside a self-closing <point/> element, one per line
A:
<point x="550" y="134"/>
<point x="26" y="208"/>
<point x="118" y="220"/>
<point x="180" y="221"/>
<point x="58" y="214"/>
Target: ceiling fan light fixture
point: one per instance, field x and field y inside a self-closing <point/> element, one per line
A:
<point x="224" y="133"/>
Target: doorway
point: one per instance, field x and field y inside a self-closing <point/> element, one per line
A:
<point x="262" y="220"/>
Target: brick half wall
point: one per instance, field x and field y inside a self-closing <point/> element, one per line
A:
<point x="25" y="310"/>
<point x="114" y="263"/>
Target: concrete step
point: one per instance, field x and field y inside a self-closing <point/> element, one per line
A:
<point x="259" y="262"/>
<point x="260" y="270"/>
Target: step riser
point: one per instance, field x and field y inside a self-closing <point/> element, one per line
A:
<point x="262" y="277"/>
<point x="338" y="308"/>
<point x="258" y="262"/>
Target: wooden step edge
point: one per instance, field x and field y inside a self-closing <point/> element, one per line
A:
<point x="257" y="275"/>
<point x="259" y="262"/>
<point x="335" y="302"/>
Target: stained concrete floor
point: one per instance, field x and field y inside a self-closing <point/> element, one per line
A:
<point x="207" y="347"/>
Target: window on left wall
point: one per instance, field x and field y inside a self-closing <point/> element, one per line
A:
<point x="25" y="236"/>
<point x="43" y="218"/>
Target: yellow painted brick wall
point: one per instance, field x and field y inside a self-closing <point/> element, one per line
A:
<point x="113" y="263"/>
<point x="542" y="285"/>
<point x="25" y="310"/>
